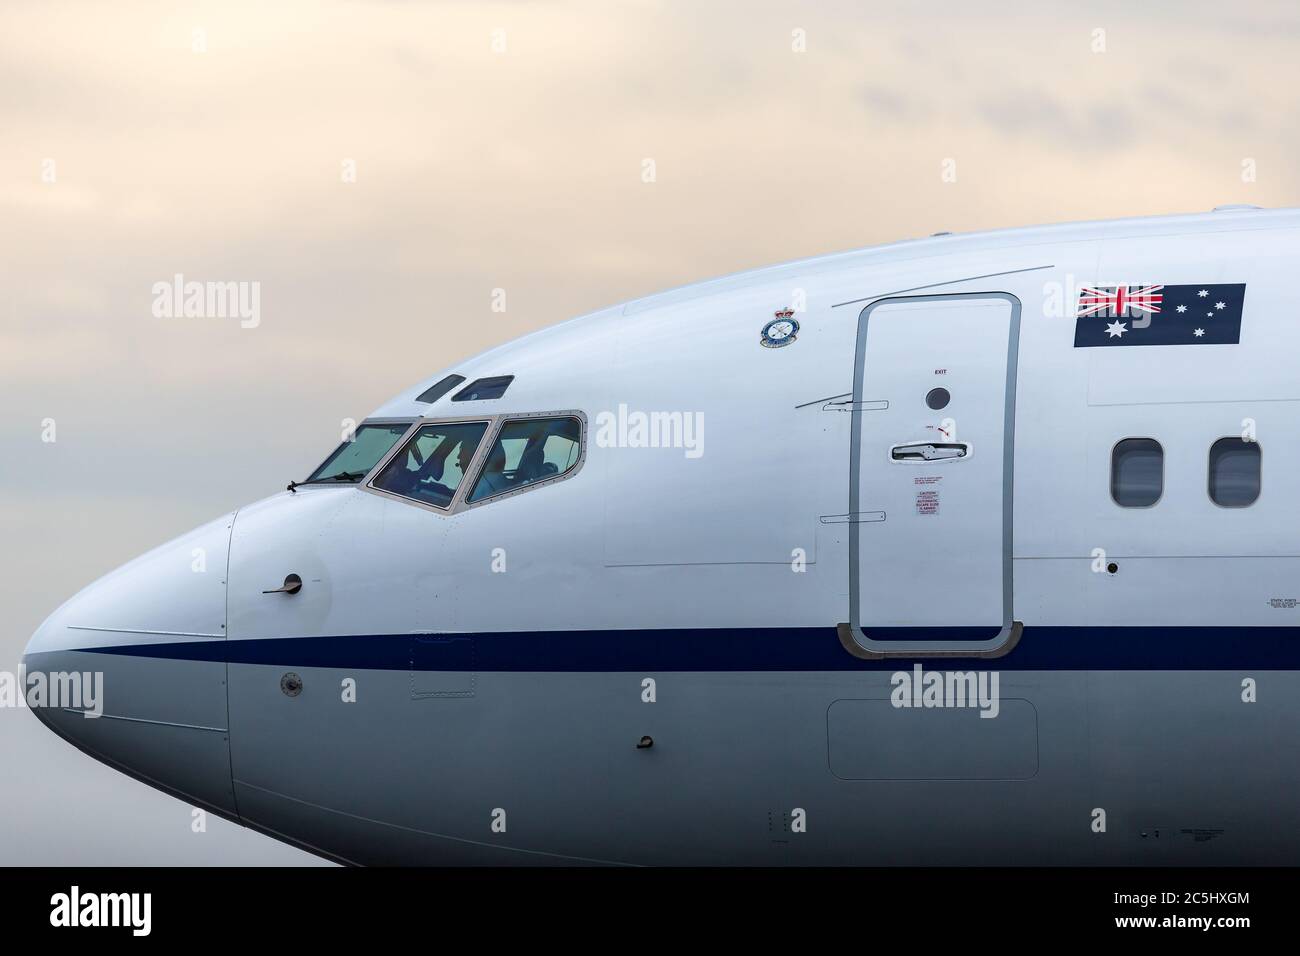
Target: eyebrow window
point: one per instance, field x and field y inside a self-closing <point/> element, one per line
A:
<point x="528" y="451"/>
<point x="441" y="388"/>
<point x="1137" y="472"/>
<point x="431" y="465"/>
<point x="482" y="388"/>
<point x="352" y="460"/>
<point x="1234" y="472"/>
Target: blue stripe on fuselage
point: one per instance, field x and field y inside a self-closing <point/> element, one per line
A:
<point x="739" y="649"/>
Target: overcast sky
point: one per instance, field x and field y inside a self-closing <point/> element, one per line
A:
<point x="216" y="140"/>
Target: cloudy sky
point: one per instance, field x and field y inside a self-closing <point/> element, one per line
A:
<point x="379" y="168"/>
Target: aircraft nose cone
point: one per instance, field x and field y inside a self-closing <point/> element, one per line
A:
<point x="132" y="669"/>
<point x="37" y="643"/>
<point x="34" y="656"/>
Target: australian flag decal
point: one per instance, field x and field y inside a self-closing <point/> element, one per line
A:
<point x="1159" y="315"/>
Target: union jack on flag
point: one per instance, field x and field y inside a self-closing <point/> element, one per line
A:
<point x="1121" y="301"/>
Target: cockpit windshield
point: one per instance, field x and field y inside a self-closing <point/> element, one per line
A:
<point x="430" y="467"/>
<point x="353" y="459"/>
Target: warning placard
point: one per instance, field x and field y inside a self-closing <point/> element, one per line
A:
<point x="927" y="494"/>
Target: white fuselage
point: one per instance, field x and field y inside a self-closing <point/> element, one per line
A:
<point x="756" y="532"/>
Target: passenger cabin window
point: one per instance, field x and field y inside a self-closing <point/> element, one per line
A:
<point x="482" y="388"/>
<point x="1137" y="472"/>
<point x="352" y="460"/>
<point x="440" y="388"/>
<point x="1234" y="472"/>
<point x="431" y="465"/>
<point x="528" y="451"/>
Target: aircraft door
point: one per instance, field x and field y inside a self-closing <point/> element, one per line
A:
<point x="931" y="475"/>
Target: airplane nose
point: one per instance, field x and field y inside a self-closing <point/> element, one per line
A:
<point x="132" y="670"/>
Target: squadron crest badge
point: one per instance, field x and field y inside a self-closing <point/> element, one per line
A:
<point x="781" y="331"/>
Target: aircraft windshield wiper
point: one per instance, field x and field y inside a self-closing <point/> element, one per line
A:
<point x="350" y="476"/>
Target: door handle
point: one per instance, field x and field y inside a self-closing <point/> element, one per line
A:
<point x="929" y="451"/>
<point x="292" y="585"/>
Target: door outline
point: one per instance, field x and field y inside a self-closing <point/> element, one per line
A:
<point x="852" y="636"/>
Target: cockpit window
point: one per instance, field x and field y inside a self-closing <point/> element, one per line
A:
<point x="353" y="459"/>
<point x="482" y="388"/>
<point x="440" y="388"/>
<point x="527" y="451"/>
<point x="430" y="466"/>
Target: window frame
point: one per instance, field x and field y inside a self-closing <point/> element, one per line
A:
<point x="459" y="502"/>
<point x="1209" y="473"/>
<point x="1111" y="477"/>
<point x="580" y="418"/>
<point x="368" y="483"/>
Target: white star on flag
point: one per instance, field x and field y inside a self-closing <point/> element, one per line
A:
<point x="1182" y="308"/>
<point x="1116" y="330"/>
<point x="1198" y="333"/>
<point x="1203" y="293"/>
<point x="1220" y="305"/>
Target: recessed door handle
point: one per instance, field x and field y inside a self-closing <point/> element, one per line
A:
<point x="292" y="585"/>
<point x="929" y="451"/>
